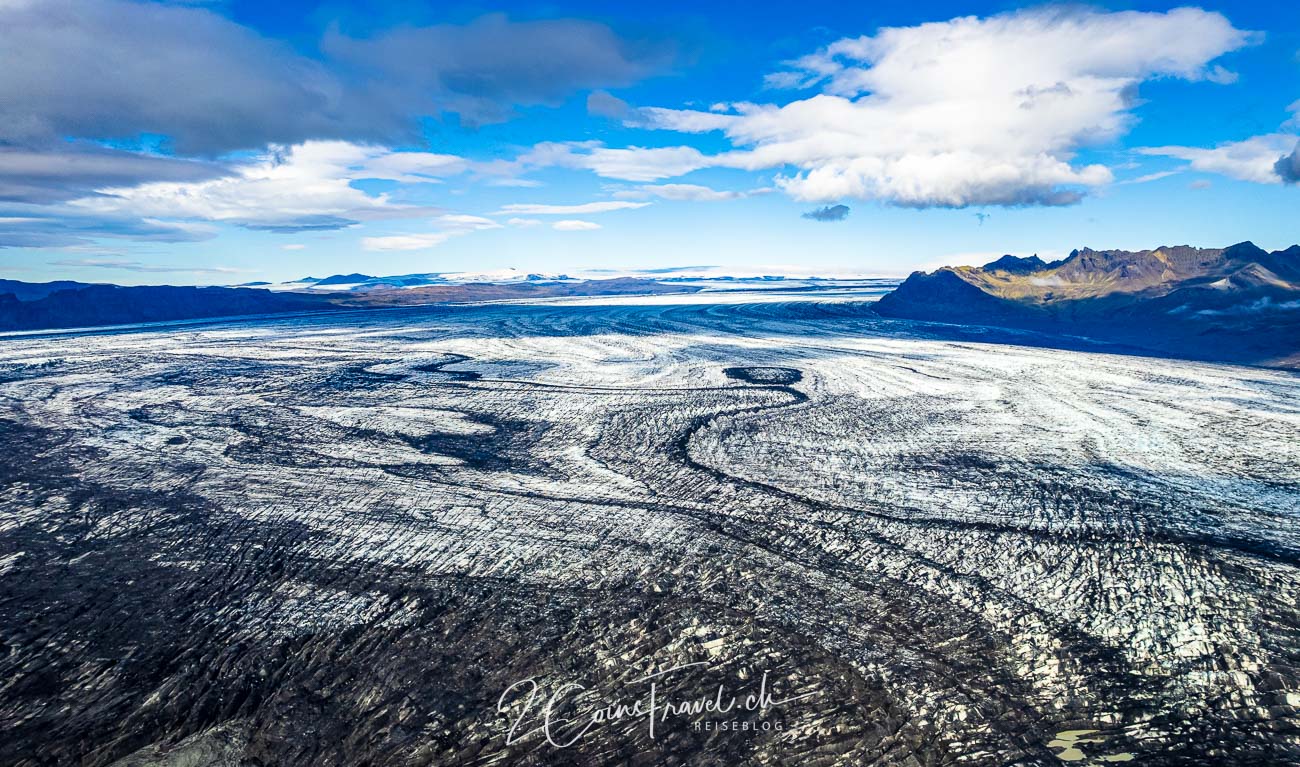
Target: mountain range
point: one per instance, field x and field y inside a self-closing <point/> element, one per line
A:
<point x="1240" y="303"/>
<point x="81" y="305"/>
<point x="694" y="275"/>
<point x="66" y="304"/>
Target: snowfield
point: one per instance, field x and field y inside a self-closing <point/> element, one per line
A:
<point x="339" y="540"/>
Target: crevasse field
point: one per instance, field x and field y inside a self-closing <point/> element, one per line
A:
<point x="340" y="540"/>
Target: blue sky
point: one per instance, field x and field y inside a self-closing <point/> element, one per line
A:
<point x="237" y="141"/>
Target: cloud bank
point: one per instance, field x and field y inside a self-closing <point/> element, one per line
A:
<point x="300" y="188"/>
<point x="965" y="112"/>
<point x="996" y="111"/>
<point x="275" y="134"/>
<point x="1259" y="159"/>
<point x="174" y="67"/>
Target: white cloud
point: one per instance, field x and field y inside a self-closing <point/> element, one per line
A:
<point x="572" y="225"/>
<point x="293" y="246"/>
<point x="1254" y="159"/>
<point x="628" y="164"/>
<point x="964" y="112"/>
<point x="1024" y="51"/>
<point x="523" y="222"/>
<point x="451" y="225"/>
<point x="684" y="192"/>
<point x="462" y="221"/>
<point x="643" y="164"/>
<point x="688" y="120"/>
<point x="412" y="167"/>
<point x="306" y="186"/>
<point x="529" y="209"/>
<point x="1148" y="178"/>
<point x="522" y="183"/>
<point x="406" y="241"/>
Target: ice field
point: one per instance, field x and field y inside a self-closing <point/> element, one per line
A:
<point x="339" y="539"/>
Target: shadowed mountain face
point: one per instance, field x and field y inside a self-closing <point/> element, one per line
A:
<point x="30" y="291"/>
<point x="94" y="305"/>
<point x="35" y="306"/>
<point x="1240" y="303"/>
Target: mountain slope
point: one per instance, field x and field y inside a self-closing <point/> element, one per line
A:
<point x="30" y="291"/>
<point x="30" y="306"/>
<point x="115" y="305"/>
<point x="1239" y="303"/>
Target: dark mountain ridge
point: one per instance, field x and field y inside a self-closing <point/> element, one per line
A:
<point x="32" y="306"/>
<point x="1240" y="303"/>
<point x="94" y="305"/>
<point x="30" y="291"/>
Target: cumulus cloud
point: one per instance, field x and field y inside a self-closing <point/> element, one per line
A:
<point x="171" y="68"/>
<point x="55" y="174"/>
<point x="299" y="188"/>
<point x="296" y="127"/>
<point x="37" y="185"/>
<point x="529" y="209"/>
<point x="573" y="225"/>
<point x="1255" y="159"/>
<point x="828" y="213"/>
<point x="1041" y="51"/>
<point x="1287" y="167"/>
<point x="964" y="112"/>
